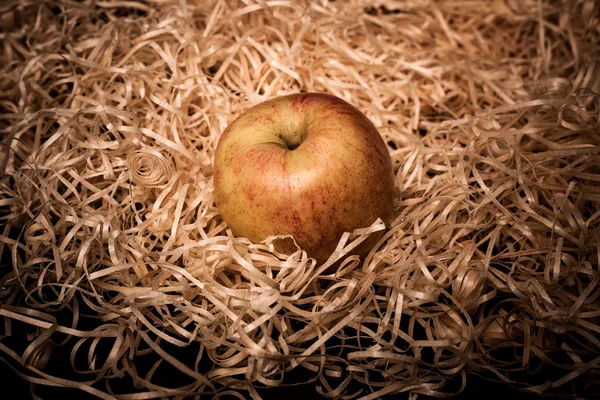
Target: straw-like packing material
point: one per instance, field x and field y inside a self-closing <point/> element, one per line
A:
<point x="110" y="112"/>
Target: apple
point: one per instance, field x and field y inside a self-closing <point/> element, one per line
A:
<point x="309" y="165"/>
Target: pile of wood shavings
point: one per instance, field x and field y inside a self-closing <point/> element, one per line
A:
<point x="110" y="112"/>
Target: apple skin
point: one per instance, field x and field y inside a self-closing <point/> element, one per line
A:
<point x="308" y="165"/>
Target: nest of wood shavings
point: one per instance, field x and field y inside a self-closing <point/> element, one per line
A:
<point x="110" y="112"/>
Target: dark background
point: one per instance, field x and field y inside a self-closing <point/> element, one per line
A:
<point x="477" y="388"/>
<point x="59" y="366"/>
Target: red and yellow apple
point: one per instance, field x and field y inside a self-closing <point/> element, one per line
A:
<point x="308" y="165"/>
